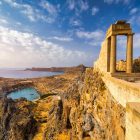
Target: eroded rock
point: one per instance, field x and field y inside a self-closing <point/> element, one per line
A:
<point x="17" y="121"/>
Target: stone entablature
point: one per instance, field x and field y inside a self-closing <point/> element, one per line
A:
<point x="119" y="28"/>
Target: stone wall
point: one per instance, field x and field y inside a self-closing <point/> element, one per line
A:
<point x="101" y="63"/>
<point x="133" y="121"/>
<point x="124" y="94"/>
<point x="121" y="90"/>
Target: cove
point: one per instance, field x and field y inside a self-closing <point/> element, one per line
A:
<point x="28" y="93"/>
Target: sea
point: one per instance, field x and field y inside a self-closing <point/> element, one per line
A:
<point x="23" y="74"/>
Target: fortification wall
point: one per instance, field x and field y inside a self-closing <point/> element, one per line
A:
<point x="122" y="91"/>
<point x="101" y="63"/>
<point x="133" y="121"/>
<point x="127" y="94"/>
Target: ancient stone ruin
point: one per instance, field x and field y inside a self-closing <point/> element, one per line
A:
<point x="123" y="87"/>
<point x="107" y="58"/>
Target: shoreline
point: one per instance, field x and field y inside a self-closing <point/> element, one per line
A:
<point x="49" y="83"/>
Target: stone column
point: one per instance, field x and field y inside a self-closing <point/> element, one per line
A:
<point x="108" y="53"/>
<point x="129" y="54"/>
<point x="113" y="54"/>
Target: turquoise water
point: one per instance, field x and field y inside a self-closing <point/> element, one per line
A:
<point x="28" y="93"/>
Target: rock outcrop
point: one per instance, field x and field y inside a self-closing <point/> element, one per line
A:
<point x="136" y="65"/>
<point x="17" y="121"/>
<point x="105" y="116"/>
<point x="84" y="110"/>
<point x="121" y="65"/>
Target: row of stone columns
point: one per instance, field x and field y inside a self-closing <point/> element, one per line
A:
<point x="129" y="53"/>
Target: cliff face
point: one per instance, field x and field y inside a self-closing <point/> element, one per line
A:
<point x="90" y="112"/>
<point x="85" y="110"/>
<point x="16" y="120"/>
<point x="97" y="116"/>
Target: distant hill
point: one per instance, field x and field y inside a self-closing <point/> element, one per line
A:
<point x="59" y="69"/>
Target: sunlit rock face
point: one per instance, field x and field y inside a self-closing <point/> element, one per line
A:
<point x="88" y="112"/>
<point x="121" y="65"/>
<point x="97" y="116"/>
<point x="85" y="110"/>
<point x="17" y="120"/>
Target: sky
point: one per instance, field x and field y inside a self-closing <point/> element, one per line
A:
<point x="46" y="33"/>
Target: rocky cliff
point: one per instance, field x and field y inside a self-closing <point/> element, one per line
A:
<point x="121" y="65"/>
<point x="85" y="110"/>
<point x="89" y="112"/>
<point x="16" y="120"/>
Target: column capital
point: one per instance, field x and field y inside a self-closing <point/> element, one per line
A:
<point x="131" y="34"/>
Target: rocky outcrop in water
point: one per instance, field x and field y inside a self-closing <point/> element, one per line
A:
<point x="17" y="121"/>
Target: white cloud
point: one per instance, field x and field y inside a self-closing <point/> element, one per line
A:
<point x="117" y="1"/>
<point x="49" y="7"/>
<point x="94" y="38"/>
<point x="123" y="43"/>
<point x="89" y="35"/>
<point x="84" y="5"/>
<point x="3" y="21"/>
<point x="75" y="22"/>
<point x="79" y="5"/>
<point x="133" y="11"/>
<point x="95" y="10"/>
<point x="135" y="20"/>
<point x="22" y="49"/>
<point x="64" y="39"/>
<point x="30" y="12"/>
<point x="71" y="4"/>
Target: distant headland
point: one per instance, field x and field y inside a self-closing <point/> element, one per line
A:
<point x="58" y="69"/>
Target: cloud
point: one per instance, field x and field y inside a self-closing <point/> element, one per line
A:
<point x="133" y="11"/>
<point x="123" y="43"/>
<point x="22" y="49"/>
<point x="84" y="5"/>
<point x="94" y="38"/>
<point x="3" y="21"/>
<point x="95" y="10"/>
<point x="117" y="1"/>
<point x="71" y="4"/>
<point x="64" y="39"/>
<point x="89" y="35"/>
<point x="30" y="12"/>
<point x="79" y="5"/>
<point x="135" y="20"/>
<point x="75" y="22"/>
<point x="49" y="7"/>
